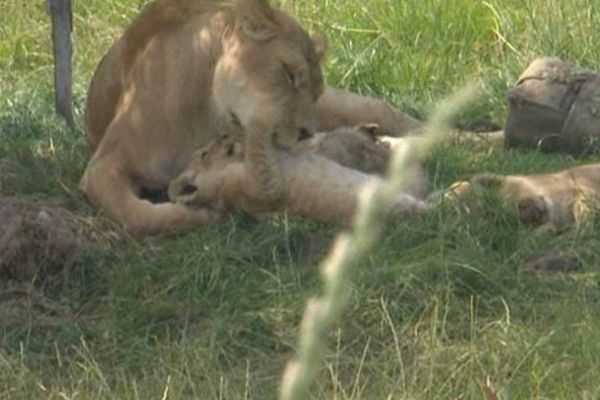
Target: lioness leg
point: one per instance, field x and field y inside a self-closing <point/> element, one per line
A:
<point x="339" y="108"/>
<point x="263" y="178"/>
<point x="114" y="192"/>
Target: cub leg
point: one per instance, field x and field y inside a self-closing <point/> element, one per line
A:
<point x="105" y="186"/>
<point x="341" y="108"/>
<point x="323" y="190"/>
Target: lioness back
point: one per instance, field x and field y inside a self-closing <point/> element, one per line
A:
<point x="107" y="82"/>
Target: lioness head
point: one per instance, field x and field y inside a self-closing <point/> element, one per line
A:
<point x="269" y="75"/>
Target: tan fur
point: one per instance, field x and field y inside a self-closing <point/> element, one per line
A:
<point x="183" y="71"/>
<point x="366" y="149"/>
<point x="159" y="17"/>
<point x="219" y="176"/>
<point x="339" y="108"/>
<point x="187" y="69"/>
<point x="357" y="148"/>
<point x="550" y="202"/>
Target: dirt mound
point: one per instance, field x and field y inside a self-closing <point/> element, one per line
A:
<point x="27" y="308"/>
<point x="8" y="170"/>
<point x="36" y="240"/>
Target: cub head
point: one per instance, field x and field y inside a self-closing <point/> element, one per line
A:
<point x="269" y="75"/>
<point x="357" y="147"/>
<point x="201" y="182"/>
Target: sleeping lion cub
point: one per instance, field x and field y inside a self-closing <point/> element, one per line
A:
<point x="356" y="147"/>
<point x="550" y="202"/>
<point x="365" y="148"/>
<point x="218" y="176"/>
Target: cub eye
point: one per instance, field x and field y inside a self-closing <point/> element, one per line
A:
<point x="204" y="154"/>
<point x="290" y="77"/>
<point x="230" y="150"/>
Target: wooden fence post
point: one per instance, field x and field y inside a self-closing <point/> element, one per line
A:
<point x="62" y="26"/>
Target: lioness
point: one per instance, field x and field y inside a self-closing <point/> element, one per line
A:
<point x="550" y="202"/>
<point x="187" y="69"/>
<point x="219" y="176"/>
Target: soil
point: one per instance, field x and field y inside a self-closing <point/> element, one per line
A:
<point x="36" y="240"/>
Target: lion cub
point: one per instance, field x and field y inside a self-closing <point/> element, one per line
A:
<point x="311" y="185"/>
<point x="550" y="202"/>
<point x="356" y="147"/>
<point x="364" y="148"/>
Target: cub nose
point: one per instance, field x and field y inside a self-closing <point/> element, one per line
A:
<point x="188" y="189"/>
<point x="182" y="190"/>
<point x="305" y="133"/>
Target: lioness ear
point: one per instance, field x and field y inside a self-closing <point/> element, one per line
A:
<point x="321" y="43"/>
<point x="255" y="19"/>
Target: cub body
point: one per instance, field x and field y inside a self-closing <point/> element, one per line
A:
<point x="364" y="148"/>
<point x="550" y="202"/>
<point x="312" y="186"/>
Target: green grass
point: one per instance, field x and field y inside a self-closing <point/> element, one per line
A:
<point x="443" y="302"/>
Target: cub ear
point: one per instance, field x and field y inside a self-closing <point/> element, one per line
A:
<point x="321" y="44"/>
<point x="371" y="129"/>
<point x="255" y="19"/>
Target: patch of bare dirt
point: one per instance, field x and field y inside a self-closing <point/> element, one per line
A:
<point x="27" y="307"/>
<point x="8" y="170"/>
<point x="39" y="248"/>
<point x="36" y="240"/>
